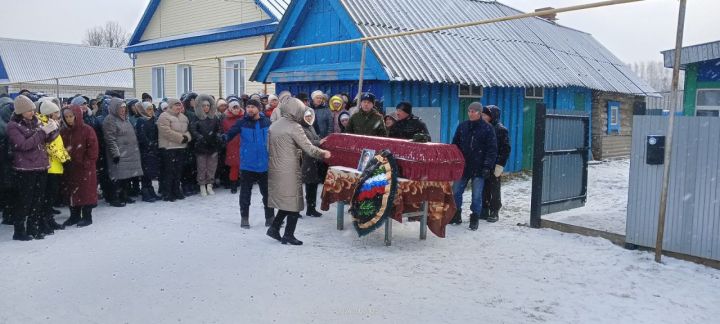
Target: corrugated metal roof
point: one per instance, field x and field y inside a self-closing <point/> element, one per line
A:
<point x="26" y="60"/>
<point x="276" y="8"/>
<point x="516" y="53"/>
<point x="693" y="54"/>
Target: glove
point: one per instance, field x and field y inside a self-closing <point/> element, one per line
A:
<point x="224" y="138"/>
<point x="486" y="173"/>
<point x="498" y="170"/>
<point x="185" y="139"/>
<point x="50" y="127"/>
<point x="116" y="160"/>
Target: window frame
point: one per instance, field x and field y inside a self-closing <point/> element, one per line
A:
<point x="534" y="94"/>
<point x="232" y="78"/>
<point x="472" y="91"/>
<point x="710" y="109"/>
<point x="614" y="125"/>
<point x="157" y="87"/>
<point x="182" y="79"/>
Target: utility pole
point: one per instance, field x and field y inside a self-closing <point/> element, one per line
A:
<point x="669" y="136"/>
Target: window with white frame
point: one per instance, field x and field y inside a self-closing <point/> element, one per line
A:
<point x="234" y="76"/>
<point x="535" y="92"/>
<point x="184" y="79"/>
<point x="157" y="88"/>
<point x="469" y="91"/>
<point x="707" y="102"/>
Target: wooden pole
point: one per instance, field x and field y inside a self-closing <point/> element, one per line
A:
<point x="362" y="72"/>
<point x="669" y="136"/>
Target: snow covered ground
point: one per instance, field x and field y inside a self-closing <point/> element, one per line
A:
<point x="605" y="209"/>
<point x="190" y="262"/>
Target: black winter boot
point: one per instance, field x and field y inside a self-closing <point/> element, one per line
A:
<point x="33" y="229"/>
<point x="245" y="218"/>
<point x="74" y="217"/>
<point x="147" y="196"/>
<point x="54" y="224"/>
<point x="44" y="226"/>
<point x="274" y="230"/>
<point x="86" y="217"/>
<point x="20" y="233"/>
<point x="457" y="219"/>
<point x="493" y="216"/>
<point x="289" y="236"/>
<point x="153" y="194"/>
<point x="484" y="213"/>
<point x="474" y="220"/>
<point x="233" y="187"/>
<point x="269" y="217"/>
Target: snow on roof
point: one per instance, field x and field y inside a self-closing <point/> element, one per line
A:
<point x="516" y="53"/>
<point x="27" y="60"/>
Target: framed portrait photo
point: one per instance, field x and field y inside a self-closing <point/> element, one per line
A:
<point x="365" y="158"/>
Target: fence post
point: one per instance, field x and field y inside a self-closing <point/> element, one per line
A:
<point x="538" y="158"/>
<point x="57" y="88"/>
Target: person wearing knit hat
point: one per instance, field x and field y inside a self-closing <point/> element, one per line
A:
<point x="492" y="201"/>
<point x="27" y="138"/>
<point x="317" y="94"/>
<point x="23" y="105"/>
<point x="408" y="125"/>
<point x="477" y="142"/>
<point x="79" y="100"/>
<point x="58" y="155"/>
<point x="222" y="106"/>
<point x="367" y="121"/>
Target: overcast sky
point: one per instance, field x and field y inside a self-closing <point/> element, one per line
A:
<point x="634" y="32"/>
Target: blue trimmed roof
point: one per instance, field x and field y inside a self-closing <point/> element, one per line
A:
<point x="255" y="28"/>
<point x="273" y="8"/>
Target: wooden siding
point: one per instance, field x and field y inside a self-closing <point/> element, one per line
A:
<point x="205" y="73"/>
<point x="177" y="17"/>
<point x="606" y="146"/>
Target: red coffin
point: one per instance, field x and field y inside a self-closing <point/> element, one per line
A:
<point x="417" y="161"/>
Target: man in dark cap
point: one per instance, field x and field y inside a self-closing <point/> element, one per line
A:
<point x="367" y="121"/>
<point x="476" y="140"/>
<point x="407" y="124"/>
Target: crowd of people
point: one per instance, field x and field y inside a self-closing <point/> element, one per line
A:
<point x="73" y="153"/>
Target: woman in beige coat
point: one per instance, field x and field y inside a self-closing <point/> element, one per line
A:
<point x="173" y="136"/>
<point x="286" y="143"/>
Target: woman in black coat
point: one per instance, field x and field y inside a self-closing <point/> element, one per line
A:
<point x="147" y="134"/>
<point x="310" y="166"/>
<point x="205" y="131"/>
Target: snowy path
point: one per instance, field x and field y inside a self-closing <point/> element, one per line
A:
<point x="190" y="262"/>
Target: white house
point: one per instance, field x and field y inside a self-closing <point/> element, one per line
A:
<point x="179" y="30"/>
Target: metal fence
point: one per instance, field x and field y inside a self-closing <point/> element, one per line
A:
<point x="562" y="150"/>
<point x="693" y="212"/>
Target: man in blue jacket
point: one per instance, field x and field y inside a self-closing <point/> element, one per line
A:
<point x="476" y="140"/>
<point x="253" y="131"/>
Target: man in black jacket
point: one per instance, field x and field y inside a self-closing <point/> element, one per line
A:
<point x="408" y="124"/>
<point x="491" y="193"/>
<point x="476" y="140"/>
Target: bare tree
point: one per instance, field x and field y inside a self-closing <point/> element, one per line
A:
<point x="655" y="74"/>
<point x="110" y="35"/>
